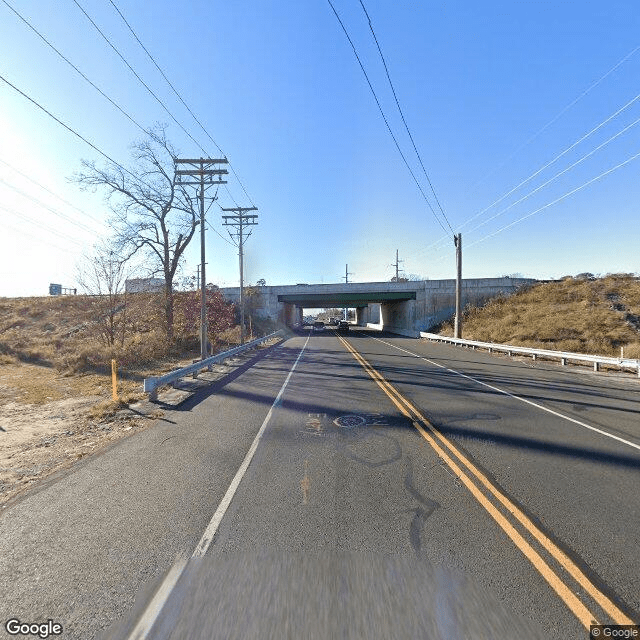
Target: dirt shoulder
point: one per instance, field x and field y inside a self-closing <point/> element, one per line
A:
<point x="49" y="421"/>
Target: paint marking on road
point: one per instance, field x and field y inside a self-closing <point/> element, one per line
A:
<point x="511" y="395"/>
<point x="157" y="602"/>
<point x="151" y="613"/>
<point x="431" y="434"/>
<point x="212" y="528"/>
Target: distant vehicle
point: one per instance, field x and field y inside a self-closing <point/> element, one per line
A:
<point x="343" y="326"/>
<point x="318" y="325"/>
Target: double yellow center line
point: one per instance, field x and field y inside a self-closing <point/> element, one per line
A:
<point x="474" y="480"/>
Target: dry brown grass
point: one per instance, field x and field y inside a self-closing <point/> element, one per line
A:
<point x="578" y="315"/>
<point x="53" y="347"/>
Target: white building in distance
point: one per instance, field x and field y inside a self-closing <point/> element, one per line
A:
<point x="144" y="285"/>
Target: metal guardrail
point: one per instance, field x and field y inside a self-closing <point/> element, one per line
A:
<point x="564" y="357"/>
<point x="151" y="385"/>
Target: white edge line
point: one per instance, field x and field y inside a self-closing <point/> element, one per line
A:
<point x="511" y="395"/>
<point x="157" y="602"/>
<point x="152" y="612"/>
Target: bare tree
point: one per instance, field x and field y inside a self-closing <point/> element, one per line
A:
<point x="409" y="277"/>
<point x="102" y="274"/>
<point x="154" y="216"/>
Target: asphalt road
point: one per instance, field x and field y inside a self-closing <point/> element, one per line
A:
<point x="394" y="489"/>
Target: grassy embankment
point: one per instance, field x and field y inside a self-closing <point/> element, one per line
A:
<point x="57" y="347"/>
<point x="579" y="315"/>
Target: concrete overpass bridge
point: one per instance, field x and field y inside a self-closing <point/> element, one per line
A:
<point x="405" y="308"/>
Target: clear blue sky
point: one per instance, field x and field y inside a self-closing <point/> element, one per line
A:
<point x="279" y="89"/>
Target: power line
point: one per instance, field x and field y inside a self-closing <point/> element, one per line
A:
<point x="220" y="235"/>
<point x="546" y="166"/>
<point x="55" y="195"/>
<point x="560" y="173"/>
<point x="73" y="66"/>
<point x="135" y="35"/>
<point x="81" y="137"/>
<point x="566" y="195"/>
<point x="562" y="112"/>
<point x="75" y="133"/>
<point x="144" y="84"/>
<point x="145" y="131"/>
<point x="40" y="225"/>
<point x="61" y="215"/>
<point x="384" y="117"/>
<point x="556" y="158"/>
<point x="35" y="237"/>
<point x="406" y="126"/>
<point x="544" y="184"/>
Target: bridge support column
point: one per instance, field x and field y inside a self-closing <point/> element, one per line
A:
<point x="362" y="316"/>
<point x="399" y="317"/>
<point x="286" y="315"/>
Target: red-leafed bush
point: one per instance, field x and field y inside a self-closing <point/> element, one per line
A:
<point x="220" y="317"/>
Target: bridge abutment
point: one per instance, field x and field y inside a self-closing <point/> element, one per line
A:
<point x="405" y="308"/>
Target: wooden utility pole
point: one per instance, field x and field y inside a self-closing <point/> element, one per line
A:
<point x="240" y="220"/>
<point x="202" y="168"/>
<point x="457" y="332"/>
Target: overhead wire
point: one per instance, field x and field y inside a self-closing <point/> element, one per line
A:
<point x="555" y="159"/>
<point x="40" y="225"/>
<point x="153" y="60"/>
<point x="562" y="112"/>
<point x="81" y="137"/>
<point x="406" y="126"/>
<point x="214" y="199"/>
<point x="557" y="175"/>
<point x="73" y="66"/>
<point x="384" y="117"/>
<point x="144" y="84"/>
<point x="57" y="213"/>
<point x="55" y="195"/>
<point x="563" y="197"/>
<point x="75" y="133"/>
<point x="84" y="76"/>
<point x="544" y="184"/>
<point x="219" y="234"/>
<point x="38" y="238"/>
<point x="541" y="169"/>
